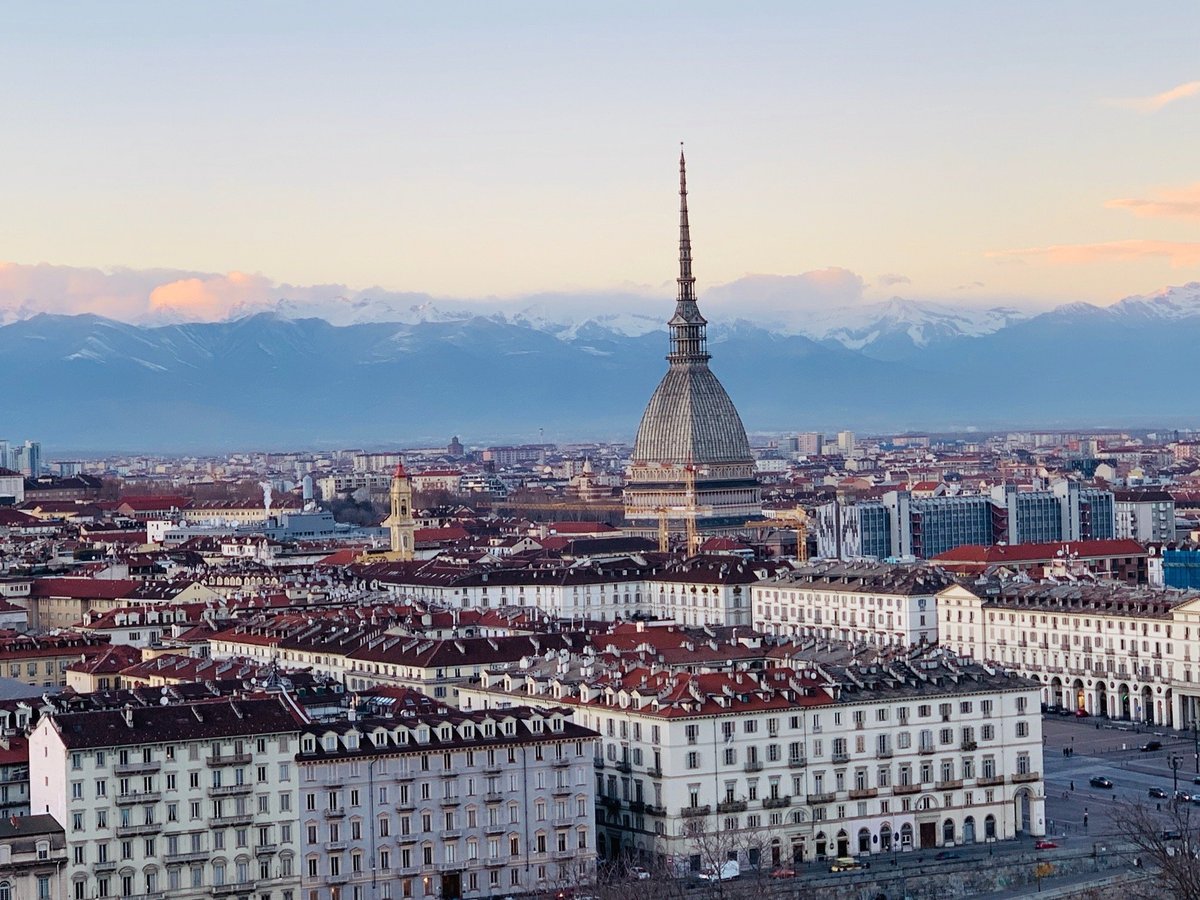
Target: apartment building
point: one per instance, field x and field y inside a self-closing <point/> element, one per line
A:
<point x="32" y="858"/>
<point x="190" y="800"/>
<point x="870" y="602"/>
<point x="816" y="757"/>
<point x="446" y="804"/>
<point x="1105" y="648"/>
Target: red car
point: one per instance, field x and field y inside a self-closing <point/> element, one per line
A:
<point x="783" y="872"/>
<point x="1081" y="713"/>
<point x="1045" y="845"/>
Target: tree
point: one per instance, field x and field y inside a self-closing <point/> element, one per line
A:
<point x="1167" y="846"/>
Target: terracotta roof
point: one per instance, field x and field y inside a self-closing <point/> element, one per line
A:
<point x="999" y="554"/>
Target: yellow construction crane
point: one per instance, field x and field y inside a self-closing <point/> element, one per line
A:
<point x="689" y="512"/>
<point x="789" y="518"/>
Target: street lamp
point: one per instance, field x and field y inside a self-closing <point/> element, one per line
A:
<point x="1176" y="761"/>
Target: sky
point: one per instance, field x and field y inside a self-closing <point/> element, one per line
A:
<point x="193" y="159"/>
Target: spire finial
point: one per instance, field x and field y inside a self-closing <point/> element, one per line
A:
<point x="687" y="325"/>
<point x="687" y="283"/>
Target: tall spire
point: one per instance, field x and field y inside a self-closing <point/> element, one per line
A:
<point x="686" y="281"/>
<point x="687" y="325"/>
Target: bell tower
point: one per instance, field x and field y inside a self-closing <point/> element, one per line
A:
<point x="401" y="523"/>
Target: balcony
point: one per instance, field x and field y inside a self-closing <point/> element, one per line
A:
<point x="193" y="856"/>
<point x="797" y="762"/>
<point x="137" y="768"/>
<point x="451" y="801"/>
<point x="968" y="746"/>
<point x="926" y="749"/>
<point x="266" y="849"/>
<point x="951" y="784"/>
<point x="232" y="887"/>
<point x="883" y="754"/>
<point x="335" y="812"/>
<point x="610" y="802"/>
<point x="753" y="765"/>
<point x="636" y="806"/>
<point x="110" y="865"/>
<point x="135" y="830"/>
<point x="450" y="834"/>
<point x="731" y="806"/>
<point x="561" y="790"/>
<point x="863" y="793"/>
<point x="777" y="802"/>
<point x="840" y="757"/>
<point x="597" y="761"/>
<point x="231" y="790"/>
<point x="335" y="846"/>
<point x="339" y="878"/>
<point x="406" y="806"/>
<point x="989" y="780"/>
<point x="233" y="759"/>
<point x="652" y="810"/>
<point x="905" y="788"/>
<point x="231" y="821"/>
<point x="654" y="772"/>
<point x="814" y="799"/>
<point x="409" y="838"/>
<point x="493" y="797"/>
<point x="1026" y="776"/>
<point x="623" y="766"/>
<point x="494" y="829"/>
<point x="143" y="797"/>
<point x="691" y="811"/>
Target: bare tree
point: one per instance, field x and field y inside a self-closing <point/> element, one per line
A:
<point x="1167" y="846"/>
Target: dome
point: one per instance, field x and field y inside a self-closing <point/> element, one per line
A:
<point x="690" y="418"/>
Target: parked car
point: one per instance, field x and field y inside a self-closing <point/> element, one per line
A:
<point x="847" y="864"/>
<point x="1151" y="746"/>
<point x="1196" y="780"/>
<point x="638" y="873"/>
<point x="728" y="871"/>
<point x="1101" y="782"/>
<point x="1158" y="793"/>
<point x="947" y="854"/>
<point x="1081" y="713"/>
<point x="1045" y="845"/>
<point x="1170" y="834"/>
<point x="783" y="872"/>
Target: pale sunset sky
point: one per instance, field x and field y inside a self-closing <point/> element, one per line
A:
<point x="1029" y="153"/>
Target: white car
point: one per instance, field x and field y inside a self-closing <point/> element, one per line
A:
<point x="728" y="871"/>
<point x="638" y="873"/>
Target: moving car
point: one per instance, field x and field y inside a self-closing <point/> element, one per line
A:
<point x="1183" y="797"/>
<point x="728" y="871"/>
<point x="783" y="872"/>
<point x="1101" y="782"/>
<point x="1151" y="746"/>
<point x="847" y="864"/>
<point x="1045" y="845"/>
<point x="1158" y="793"/>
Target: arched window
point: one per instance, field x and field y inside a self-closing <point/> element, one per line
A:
<point x="989" y="827"/>
<point x="948" y="831"/>
<point x="5" y="890"/>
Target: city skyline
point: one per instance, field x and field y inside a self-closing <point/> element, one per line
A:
<point x="840" y="156"/>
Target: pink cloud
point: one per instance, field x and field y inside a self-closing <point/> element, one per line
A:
<point x="211" y="296"/>
<point x="1155" y="102"/>
<point x="1180" y="254"/>
<point x="1178" y="203"/>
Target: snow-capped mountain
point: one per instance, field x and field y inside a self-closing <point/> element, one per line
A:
<point x="899" y="326"/>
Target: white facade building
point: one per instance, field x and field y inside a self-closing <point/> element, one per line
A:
<point x="802" y="763"/>
<point x="189" y="801"/>
<point x="871" y="602"/>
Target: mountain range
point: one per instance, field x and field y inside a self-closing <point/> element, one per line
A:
<point x="284" y="379"/>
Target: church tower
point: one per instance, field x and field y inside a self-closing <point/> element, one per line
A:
<point x="401" y="522"/>
<point x="691" y="461"/>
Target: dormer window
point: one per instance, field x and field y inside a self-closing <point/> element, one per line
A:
<point x="331" y="742"/>
<point x="352" y="741"/>
<point x="309" y="744"/>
